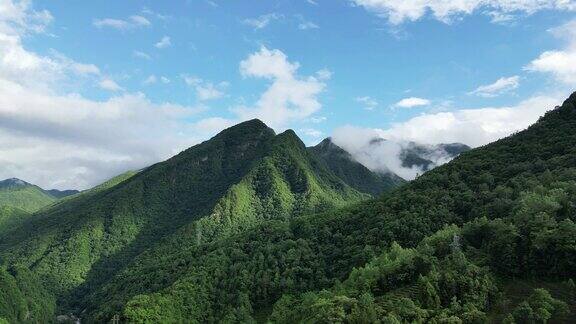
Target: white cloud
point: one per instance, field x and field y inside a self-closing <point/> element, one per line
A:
<point x="412" y="102"/>
<point x="58" y="138"/>
<point x="474" y="127"/>
<point x="262" y="21"/>
<point x="205" y="90"/>
<point x="163" y="43"/>
<point x="54" y="136"/>
<point x="305" y="25"/>
<point x="497" y="88"/>
<point x="110" y="85"/>
<point x="311" y="132"/>
<point x="142" y="55"/>
<point x="368" y="102"/>
<point x="382" y="156"/>
<point x="151" y="79"/>
<point x="131" y="22"/>
<point x="399" y="11"/>
<point x="317" y="119"/>
<point x="18" y="18"/>
<point x="289" y="97"/>
<point x="561" y="64"/>
<point x="324" y="74"/>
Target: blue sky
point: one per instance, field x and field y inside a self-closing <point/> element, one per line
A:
<point x="105" y="86"/>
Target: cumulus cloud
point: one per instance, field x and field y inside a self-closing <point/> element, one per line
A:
<point x="500" y="86"/>
<point x="20" y="18"/>
<point x="261" y="21"/>
<point x="368" y="102"/>
<point x="560" y="64"/>
<point x="163" y="43"/>
<point x="58" y="138"/>
<point x="68" y="141"/>
<point x="399" y="11"/>
<point x="129" y="23"/>
<point x="473" y="127"/>
<point x="412" y="102"/>
<point x="289" y="97"/>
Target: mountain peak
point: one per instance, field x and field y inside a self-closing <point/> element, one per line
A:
<point x="13" y="182"/>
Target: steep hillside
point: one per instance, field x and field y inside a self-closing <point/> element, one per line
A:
<point x="222" y="187"/>
<point x="511" y="206"/>
<point x="353" y="173"/>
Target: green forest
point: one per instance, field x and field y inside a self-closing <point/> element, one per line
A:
<point x="254" y="227"/>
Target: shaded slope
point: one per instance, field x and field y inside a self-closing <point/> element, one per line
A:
<point x="353" y="173"/>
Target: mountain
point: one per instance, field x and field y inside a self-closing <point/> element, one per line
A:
<point x="356" y="175"/>
<point x="243" y="176"/>
<point x="28" y="197"/>
<point x="23" y="195"/>
<point x="18" y="199"/>
<point x="487" y="237"/>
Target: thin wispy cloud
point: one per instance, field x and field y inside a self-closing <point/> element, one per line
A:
<point x="398" y="12"/>
<point x="132" y="22"/>
<point x="164" y="42"/>
<point x="499" y="87"/>
<point x="261" y="21"/>
<point x="142" y="55"/>
<point x="205" y="90"/>
<point x="307" y="25"/>
<point x="367" y="102"/>
<point x="110" y="85"/>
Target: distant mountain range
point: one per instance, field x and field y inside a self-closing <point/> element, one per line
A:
<point x="28" y="197"/>
<point x="18" y="199"/>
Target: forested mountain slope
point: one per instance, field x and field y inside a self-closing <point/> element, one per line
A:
<point x="224" y="186"/>
<point x="18" y="199"/>
<point x="24" y="196"/>
<point x="342" y="164"/>
<point x="466" y="242"/>
<point x="445" y="247"/>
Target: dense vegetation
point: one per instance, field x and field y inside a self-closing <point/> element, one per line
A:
<point x="224" y="186"/>
<point x="178" y="243"/>
<point x="24" y="196"/>
<point x="18" y="199"/>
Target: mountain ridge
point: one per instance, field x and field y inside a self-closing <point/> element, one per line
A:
<point x="435" y="249"/>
